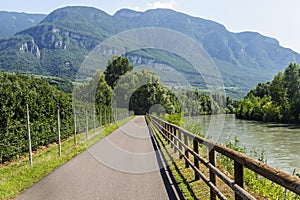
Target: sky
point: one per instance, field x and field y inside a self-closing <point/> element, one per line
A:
<point x="279" y="19"/>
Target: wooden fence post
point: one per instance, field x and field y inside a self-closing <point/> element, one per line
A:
<point x="167" y="132"/>
<point x="179" y="142"/>
<point x="196" y="161"/>
<point x="238" y="177"/>
<point x="175" y="140"/>
<point x="58" y="129"/>
<point x="163" y="129"/>
<point x="212" y="176"/>
<point x="29" y="136"/>
<point x="186" y="153"/>
<point x="171" y="135"/>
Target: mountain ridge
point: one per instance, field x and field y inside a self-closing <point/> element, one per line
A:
<point x="60" y="42"/>
<point x="13" y="22"/>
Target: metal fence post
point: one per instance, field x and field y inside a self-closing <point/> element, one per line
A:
<point x="94" y="118"/>
<point x="87" y="125"/>
<point x="75" y="128"/>
<point x="29" y="136"/>
<point x="58" y="129"/>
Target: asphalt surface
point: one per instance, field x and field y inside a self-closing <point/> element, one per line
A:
<point x="124" y="165"/>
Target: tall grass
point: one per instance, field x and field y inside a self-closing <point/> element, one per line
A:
<point x="254" y="182"/>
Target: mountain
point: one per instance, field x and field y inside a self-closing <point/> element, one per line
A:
<point x="13" y="22"/>
<point x="59" y="43"/>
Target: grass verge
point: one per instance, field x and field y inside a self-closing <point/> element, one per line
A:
<point x="257" y="186"/>
<point x="18" y="175"/>
<point x="185" y="179"/>
<point x="183" y="176"/>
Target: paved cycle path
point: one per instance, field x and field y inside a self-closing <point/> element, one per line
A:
<point x="123" y="165"/>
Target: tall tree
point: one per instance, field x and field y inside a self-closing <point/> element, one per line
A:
<point x="151" y="94"/>
<point x="116" y="67"/>
<point x="103" y="94"/>
<point x="278" y="90"/>
<point x="291" y="78"/>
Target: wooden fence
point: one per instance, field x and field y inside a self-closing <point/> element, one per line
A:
<point x="181" y="140"/>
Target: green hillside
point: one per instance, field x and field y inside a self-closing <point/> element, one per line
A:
<point x="13" y="22"/>
<point x="58" y="45"/>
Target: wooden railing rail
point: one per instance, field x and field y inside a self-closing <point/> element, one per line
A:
<point x="181" y="140"/>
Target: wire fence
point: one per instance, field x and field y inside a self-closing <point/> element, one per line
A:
<point x="25" y="135"/>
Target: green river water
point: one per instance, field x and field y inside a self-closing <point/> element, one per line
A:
<point x="280" y="141"/>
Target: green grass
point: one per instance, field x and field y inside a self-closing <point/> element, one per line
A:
<point x="16" y="176"/>
<point x="185" y="178"/>
<point x="257" y="185"/>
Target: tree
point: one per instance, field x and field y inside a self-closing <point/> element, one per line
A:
<point x="271" y="112"/>
<point x="261" y="90"/>
<point x="129" y="83"/>
<point x="278" y="90"/>
<point x="291" y="78"/>
<point x="140" y="90"/>
<point x="148" y="95"/>
<point x="103" y="94"/>
<point x="117" y="67"/>
<point x="103" y="99"/>
<point x="275" y="101"/>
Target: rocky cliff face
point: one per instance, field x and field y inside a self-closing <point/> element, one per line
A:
<point x="56" y="37"/>
<point x="32" y="48"/>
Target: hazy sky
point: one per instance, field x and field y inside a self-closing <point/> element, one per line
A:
<point x="275" y="18"/>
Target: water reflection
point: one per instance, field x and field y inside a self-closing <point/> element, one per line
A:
<point x="281" y="141"/>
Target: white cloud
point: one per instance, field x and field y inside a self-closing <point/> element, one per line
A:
<point x="163" y="4"/>
<point x="137" y="8"/>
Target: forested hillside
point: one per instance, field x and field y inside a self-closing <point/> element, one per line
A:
<point x="13" y="22"/>
<point x="58" y="45"/>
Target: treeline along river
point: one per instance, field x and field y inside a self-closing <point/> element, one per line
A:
<point x="280" y="141"/>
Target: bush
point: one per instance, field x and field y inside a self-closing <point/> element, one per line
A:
<point x="175" y="118"/>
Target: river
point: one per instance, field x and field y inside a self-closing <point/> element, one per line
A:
<point x="280" y="141"/>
